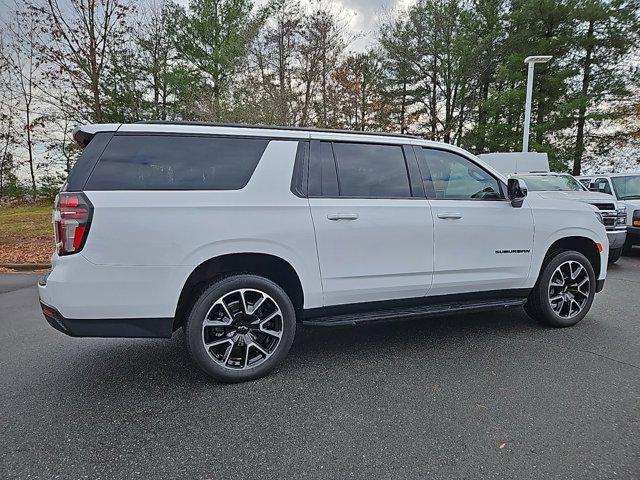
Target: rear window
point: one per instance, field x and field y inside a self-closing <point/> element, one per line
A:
<point x="176" y="162"/>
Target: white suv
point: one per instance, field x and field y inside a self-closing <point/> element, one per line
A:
<point x="237" y="233"/>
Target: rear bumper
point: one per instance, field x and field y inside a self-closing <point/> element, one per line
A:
<point x="108" y="327"/>
<point x="78" y="288"/>
<point x="616" y="238"/>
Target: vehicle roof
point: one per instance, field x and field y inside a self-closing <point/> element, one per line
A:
<point x="245" y="129"/>
<point x="83" y="134"/>
<point x="542" y="174"/>
<point x="599" y="175"/>
<point x="274" y="131"/>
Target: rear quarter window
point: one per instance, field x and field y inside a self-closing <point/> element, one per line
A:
<point x="87" y="161"/>
<point x="176" y="162"/>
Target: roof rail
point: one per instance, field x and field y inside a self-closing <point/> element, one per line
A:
<point x="274" y="127"/>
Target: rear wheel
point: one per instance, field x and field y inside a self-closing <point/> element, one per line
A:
<point x="240" y="328"/>
<point x="565" y="290"/>
<point x="615" y="254"/>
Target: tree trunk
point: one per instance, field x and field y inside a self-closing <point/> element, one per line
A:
<point x="582" y="110"/>
<point x="403" y="106"/>
<point x="30" y="150"/>
<point x="482" y="116"/>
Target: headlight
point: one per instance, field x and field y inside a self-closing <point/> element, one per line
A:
<point x="636" y="218"/>
<point x="599" y="217"/>
<point x="621" y="213"/>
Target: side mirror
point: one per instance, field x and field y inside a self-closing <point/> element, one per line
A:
<point x="516" y="191"/>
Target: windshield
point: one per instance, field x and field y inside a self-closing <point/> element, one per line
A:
<point x="546" y="183"/>
<point x="627" y="187"/>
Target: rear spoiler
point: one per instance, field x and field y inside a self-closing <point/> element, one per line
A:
<point x="84" y="133"/>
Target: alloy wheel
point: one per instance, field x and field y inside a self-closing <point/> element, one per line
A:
<point x="242" y="329"/>
<point x="569" y="289"/>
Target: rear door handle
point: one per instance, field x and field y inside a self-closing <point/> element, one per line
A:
<point x="454" y="215"/>
<point x="342" y="216"/>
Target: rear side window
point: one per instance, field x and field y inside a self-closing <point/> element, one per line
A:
<point x="176" y="162"/>
<point x="371" y="170"/>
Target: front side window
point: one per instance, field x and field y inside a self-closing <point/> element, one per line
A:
<point x="176" y="162"/>
<point x="371" y="170"/>
<point x="627" y="187"/>
<point x="450" y="176"/>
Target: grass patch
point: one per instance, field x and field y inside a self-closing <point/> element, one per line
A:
<point x="26" y="232"/>
<point x="25" y="221"/>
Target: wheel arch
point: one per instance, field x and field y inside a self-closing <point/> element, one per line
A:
<point x="585" y="245"/>
<point x="266" y="265"/>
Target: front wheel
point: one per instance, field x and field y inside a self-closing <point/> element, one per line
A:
<point x="565" y="290"/>
<point x="240" y="328"/>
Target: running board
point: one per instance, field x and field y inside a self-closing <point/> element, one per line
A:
<point x="412" y="312"/>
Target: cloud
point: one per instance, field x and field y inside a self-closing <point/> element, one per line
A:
<point x="363" y="17"/>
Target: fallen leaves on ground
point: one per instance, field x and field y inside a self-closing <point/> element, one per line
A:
<point x="32" y="250"/>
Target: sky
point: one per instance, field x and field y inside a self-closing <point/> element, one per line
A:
<point x="363" y="16"/>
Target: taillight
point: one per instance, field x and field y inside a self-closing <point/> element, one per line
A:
<point x="71" y="219"/>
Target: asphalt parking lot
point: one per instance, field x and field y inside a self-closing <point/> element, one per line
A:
<point x="489" y="395"/>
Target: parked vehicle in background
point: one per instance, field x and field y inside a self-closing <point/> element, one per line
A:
<point x="562" y="185"/>
<point x="624" y="187"/>
<point x="533" y="167"/>
<point x="238" y="233"/>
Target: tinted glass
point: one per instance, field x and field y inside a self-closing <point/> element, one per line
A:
<point x="370" y="170"/>
<point x="87" y="161"/>
<point x="323" y="181"/>
<point x="551" y="183"/>
<point x="450" y="176"/>
<point x="176" y="162"/>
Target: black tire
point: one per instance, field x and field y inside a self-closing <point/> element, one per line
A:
<point x="614" y="255"/>
<point x="539" y="305"/>
<point x="627" y="248"/>
<point x="243" y="329"/>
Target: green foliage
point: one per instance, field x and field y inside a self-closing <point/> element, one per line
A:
<point x="211" y="41"/>
<point x="449" y="70"/>
<point x="50" y="185"/>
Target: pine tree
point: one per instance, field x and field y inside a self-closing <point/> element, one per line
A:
<point x="608" y="32"/>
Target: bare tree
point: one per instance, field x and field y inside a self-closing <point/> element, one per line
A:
<point x="155" y="45"/>
<point x="7" y="118"/>
<point x="19" y="55"/>
<point x="77" y="37"/>
<point x="323" y="44"/>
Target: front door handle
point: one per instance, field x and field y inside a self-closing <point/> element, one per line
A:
<point x="454" y="215"/>
<point x="342" y="216"/>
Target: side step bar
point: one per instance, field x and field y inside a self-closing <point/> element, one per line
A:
<point x="412" y="312"/>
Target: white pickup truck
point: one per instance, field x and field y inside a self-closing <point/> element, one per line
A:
<point x="625" y="187"/>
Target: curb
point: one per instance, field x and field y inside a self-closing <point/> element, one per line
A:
<point x="25" y="267"/>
